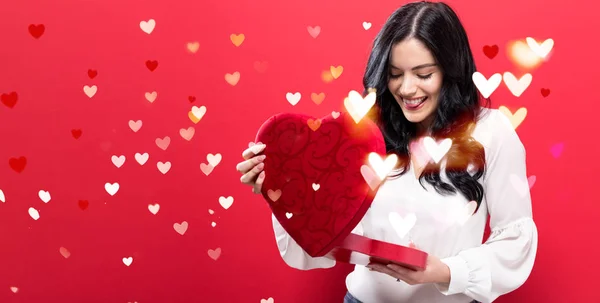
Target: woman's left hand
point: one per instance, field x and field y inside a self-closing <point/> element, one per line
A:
<point x="435" y="272"/>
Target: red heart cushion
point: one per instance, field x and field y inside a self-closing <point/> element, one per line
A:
<point x="313" y="181"/>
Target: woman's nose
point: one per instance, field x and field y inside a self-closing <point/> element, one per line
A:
<point x="408" y="88"/>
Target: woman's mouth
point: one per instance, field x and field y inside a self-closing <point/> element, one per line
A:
<point x="414" y="103"/>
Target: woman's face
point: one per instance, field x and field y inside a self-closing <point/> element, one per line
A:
<point x="415" y="81"/>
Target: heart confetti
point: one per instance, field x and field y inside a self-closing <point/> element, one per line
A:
<point x="33" y="213"/>
<point x="226" y="202"/>
<point x="232" y="79"/>
<point x="127" y="261"/>
<point x="44" y="196"/>
<point x="76" y="133"/>
<point x="10" y="99"/>
<point x="151" y="97"/>
<point x="274" y="195"/>
<point x="154" y="208"/>
<point x="520" y="185"/>
<point x="293" y="99"/>
<point x="545" y="92"/>
<point x="193" y="46"/>
<point x="557" y="150"/>
<point x="2" y="197"/>
<point x="437" y="152"/>
<point x="316" y="186"/>
<point x="118" y="161"/>
<point x="151" y="65"/>
<point x="112" y="189"/>
<point x="357" y="106"/>
<point x="490" y="51"/>
<point x="148" y="26"/>
<point x="17" y="164"/>
<point x="317" y="98"/>
<point x="141" y="158"/>
<point x="214" y="160"/>
<point x="516" y="118"/>
<point x="382" y="167"/>
<point x="181" y="228"/>
<point x="90" y="91"/>
<point x="288" y="215"/>
<point x="486" y="86"/>
<point x="517" y="87"/>
<point x="206" y="169"/>
<point x="531" y="181"/>
<point x="237" y="40"/>
<point x="261" y="67"/>
<point x="188" y="133"/>
<point x="196" y="113"/>
<point x="163" y="167"/>
<point x="466" y="212"/>
<point x="540" y="50"/>
<point x="163" y="143"/>
<point x="314" y="124"/>
<point x="214" y="254"/>
<point x="135" y="125"/>
<point x="521" y="54"/>
<point x="366" y="25"/>
<point x="64" y="252"/>
<point x="336" y="72"/>
<point x="14" y="289"/>
<point x="83" y="204"/>
<point x="314" y="31"/>
<point x="36" y="30"/>
<point x="402" y="225"/>
<point x="92" y="73"/>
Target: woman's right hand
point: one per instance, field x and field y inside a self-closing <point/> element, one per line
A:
<point x="252" y="167"/>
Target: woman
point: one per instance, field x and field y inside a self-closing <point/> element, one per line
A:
<point x="421" y="65"/>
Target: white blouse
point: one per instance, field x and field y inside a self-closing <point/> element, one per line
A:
<point x="440" y="226"/>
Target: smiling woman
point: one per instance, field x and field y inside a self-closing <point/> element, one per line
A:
<point x="421" y="67"/>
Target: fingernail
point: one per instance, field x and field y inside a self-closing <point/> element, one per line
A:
<point x="261" y="165"/>
<point x="262" y="157"/>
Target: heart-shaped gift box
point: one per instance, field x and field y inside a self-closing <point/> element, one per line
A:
<point x="316" y="185"/>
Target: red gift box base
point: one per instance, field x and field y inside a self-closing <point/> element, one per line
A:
<point x="356" y="249"/>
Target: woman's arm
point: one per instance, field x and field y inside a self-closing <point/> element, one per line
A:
<point x="503" y="263"/>
<point x="293" y="254"/>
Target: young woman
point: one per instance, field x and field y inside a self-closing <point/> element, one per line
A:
<point x="421" y="65"/>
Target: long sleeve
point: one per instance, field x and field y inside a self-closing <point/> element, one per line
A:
<point x="293" y="255"/>
<point x="504" y="262"/>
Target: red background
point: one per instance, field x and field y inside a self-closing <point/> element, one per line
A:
<point x="278" y="56"/>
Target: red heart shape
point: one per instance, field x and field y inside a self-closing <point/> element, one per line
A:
<point x="330" y="153"/>
<point x="10" y="99"/>
<point x="36" y="30"/>
<point x="545" y="92"/>
<point x="490" y="51"/>
<point x="17" y="164"/>
<point x="92" y="73"/>
<point x="151" y="65"/>
<point x="83" y="204"/>
<point x="76" y="133"/>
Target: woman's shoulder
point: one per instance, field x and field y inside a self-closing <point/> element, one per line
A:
<point x="492" y="127"/>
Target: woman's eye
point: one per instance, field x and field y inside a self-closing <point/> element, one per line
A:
<point x="425" y="77"/>
<point x="394" y="76"/>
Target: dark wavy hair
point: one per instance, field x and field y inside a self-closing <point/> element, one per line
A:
<point x="438" y="27"/>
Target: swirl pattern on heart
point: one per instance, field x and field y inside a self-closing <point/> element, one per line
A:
<point x="313" y="181"/>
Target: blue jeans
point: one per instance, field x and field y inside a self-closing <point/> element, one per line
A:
<point x="349" y="298"/>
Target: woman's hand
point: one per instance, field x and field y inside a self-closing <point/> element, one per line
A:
<point x="435" y="272"/>
<point x="252" y="167"/>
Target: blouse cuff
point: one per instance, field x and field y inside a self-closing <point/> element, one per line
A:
<point x="467" y="268"/>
